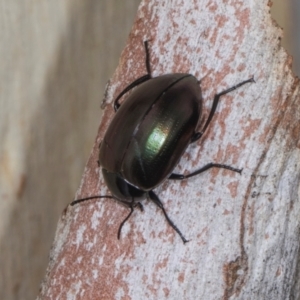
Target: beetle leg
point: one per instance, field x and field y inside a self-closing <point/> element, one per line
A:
<point x="147" y="58"/>
<point x="175" y="176"/>
<point x="156" y="200"/>
<point x="137" y="81"/>
<point x="198" y="135"/>
<point x="129" y="87"/>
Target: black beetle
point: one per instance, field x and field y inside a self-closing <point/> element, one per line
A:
<point x="149" y="134"/>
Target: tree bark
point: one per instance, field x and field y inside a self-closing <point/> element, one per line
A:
<point x="243" y="229"/>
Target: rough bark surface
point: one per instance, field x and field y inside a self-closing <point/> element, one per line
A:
<point x="243" y="229"/>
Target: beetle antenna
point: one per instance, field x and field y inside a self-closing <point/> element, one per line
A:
<point x="132" y="205"/>
<point x="90" y="198"/>
<point x="124" y="221"/>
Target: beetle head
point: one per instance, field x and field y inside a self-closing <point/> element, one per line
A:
<point x="121" y="189"/>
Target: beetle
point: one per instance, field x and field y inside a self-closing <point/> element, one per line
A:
<point x="148" y="135"/>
